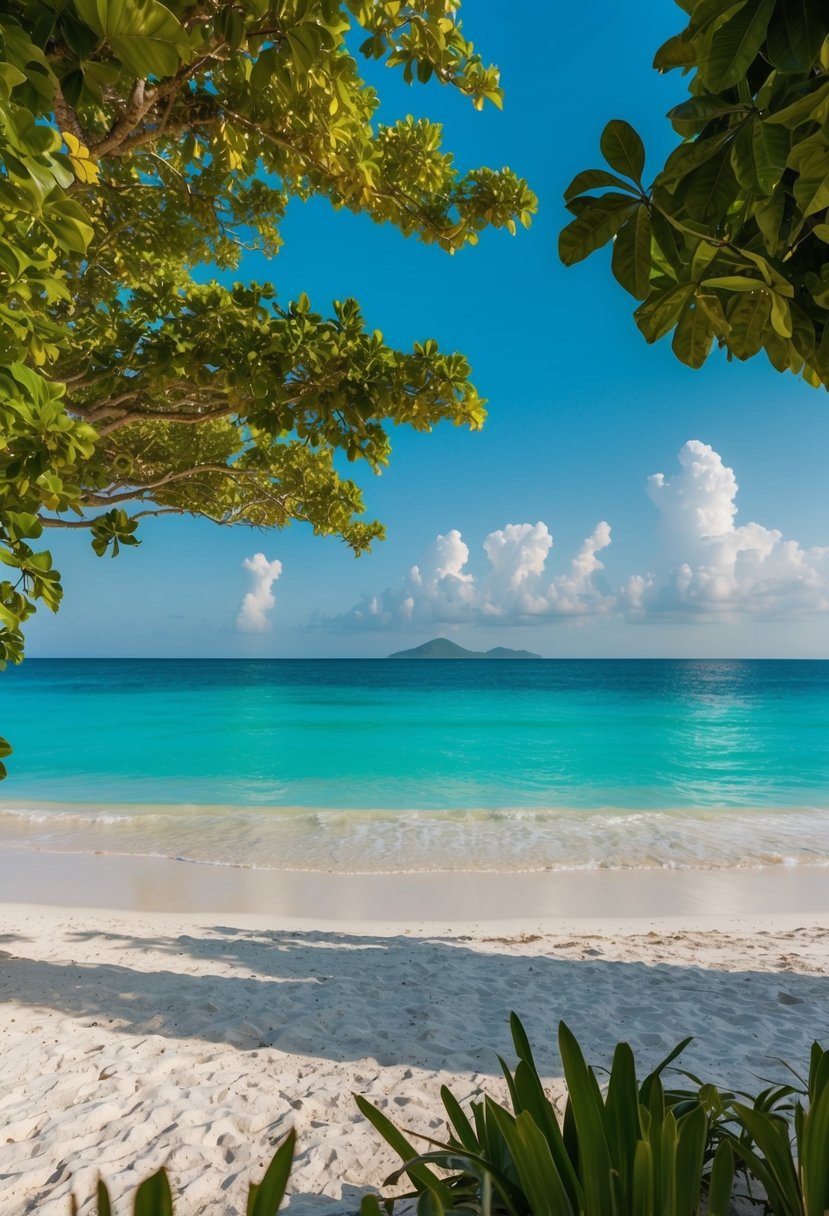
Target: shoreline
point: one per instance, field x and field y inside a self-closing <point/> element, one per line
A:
<point x="148" y="885"/>
<point x="376" y="843"/>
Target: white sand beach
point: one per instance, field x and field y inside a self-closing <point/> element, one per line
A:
<point x="134" y="1038"/>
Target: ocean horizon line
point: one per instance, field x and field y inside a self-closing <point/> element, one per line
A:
<point x="167" y="658"/>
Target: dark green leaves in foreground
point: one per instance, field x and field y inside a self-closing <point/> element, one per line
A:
<point x="636" y="1151"/>
<point x="154" y="1196"/>
<point x="728" y="246"/>
<point x="623" y="1147"/>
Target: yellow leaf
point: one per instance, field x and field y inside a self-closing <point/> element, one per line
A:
<point x="74" y="144"/>
<point x="85" y="169"/>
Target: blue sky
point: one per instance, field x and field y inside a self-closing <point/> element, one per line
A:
<point x="582" y="412"/>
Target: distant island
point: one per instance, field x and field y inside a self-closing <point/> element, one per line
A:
<point x="442" y="648"/>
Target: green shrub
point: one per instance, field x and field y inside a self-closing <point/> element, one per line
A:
<point x="796" y="1183"/>
<point x="641" y="1150"/>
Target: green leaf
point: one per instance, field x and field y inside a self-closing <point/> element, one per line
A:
<point x="770" y="146"/>
<point x="594" y="226"/>
<point x="781" y="317"/>
<point x="532" y="1098"/>
<point x="704" y="108"/>
<point x="693" y="337"/>
<point x="721" y="1181"/>
<point x="631" y="258"/>
<point x="102" y="1194"/>
<point x="537" y="1175"/>
<point x="748" y="320"/>
<point x="153" y="1197"/>
<point x="23" y="524"/>
<point x="622" y="1113"/>
<point x="677" y="52"/>
<point x="735" y="282"/>
<point x="143" y="34"/>
<point x="370" y="1206"/>
<point x="709" y="191"/>
<point x="716" y="314"/>
<point x="803" y="108"/>
<point x="796" y="33"/>
<point x="813" y="1152"/>
<point x="690" y="1155"/>
<point x="11" y="76"/>
<point x="708" y="13"/>
<point x="773" y="1166"/>
<point x="595" y="1163"/>
<point x="623" y="149"/>
<point x="735" y="45"/>
<point x="810" y="160"/>
<point x="68" y="223"/>
<point x="643" y="1181"/>
<point x="421" y="1176"/>
<point x="265" y="1197"/>
<point x="690" y="155"/>
<point x="593" y="179"/>
<point x="460" y="1124"/>
<point x="768" y="215"/>
<point x="702" y="257"/>
<point x="660" y="313"/>
<point x="429" y="1204"/>
<point x="5" y="748"/>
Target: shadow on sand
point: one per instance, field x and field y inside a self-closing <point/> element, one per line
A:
<point x="432" y="1003"/>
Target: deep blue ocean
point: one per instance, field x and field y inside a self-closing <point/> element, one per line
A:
<point x="393" y="765"/>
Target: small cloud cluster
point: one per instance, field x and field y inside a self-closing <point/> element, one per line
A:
<point x="709" y="567"/>
<point x="260" y="600"/>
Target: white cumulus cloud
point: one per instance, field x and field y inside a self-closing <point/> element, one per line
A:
<point x="514" y="588"/>
<point x="711" y="565"/>
<point x="705" y="566"/>
<point x="260" y="600"/>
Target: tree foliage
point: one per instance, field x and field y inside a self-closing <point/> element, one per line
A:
<point x="142" y="142"/>
<point x="729" y="244"/>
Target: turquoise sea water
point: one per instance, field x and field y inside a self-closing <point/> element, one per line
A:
<point x="384" y="765"/>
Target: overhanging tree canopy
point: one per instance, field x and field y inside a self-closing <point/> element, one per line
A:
<point x="730" y="243"/>
<point x="139" y="141"/>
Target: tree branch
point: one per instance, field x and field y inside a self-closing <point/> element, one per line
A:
<point x="150" y="416"/>
<point x="67" y="118"/>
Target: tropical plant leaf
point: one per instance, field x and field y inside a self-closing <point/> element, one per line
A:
<point x="810" y="160"/>
<point x="693" y="336"/>
<point x="631" y="258"/>
<point x="735" y="45"/>
<point x="265" y="1197"/>
<point x="421" y="1176"/>
<point x="748" y="321"/>
<point x="594" y="1154"/>
<point x="660" y="313"/>
<point x="796" y="33"/>
<point x="594" y="227"/>
<point x="144" y="34"/>
<point x="154" y="1197"/>
<point x="623" y="149"/>
<point x="595" y="179"/>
